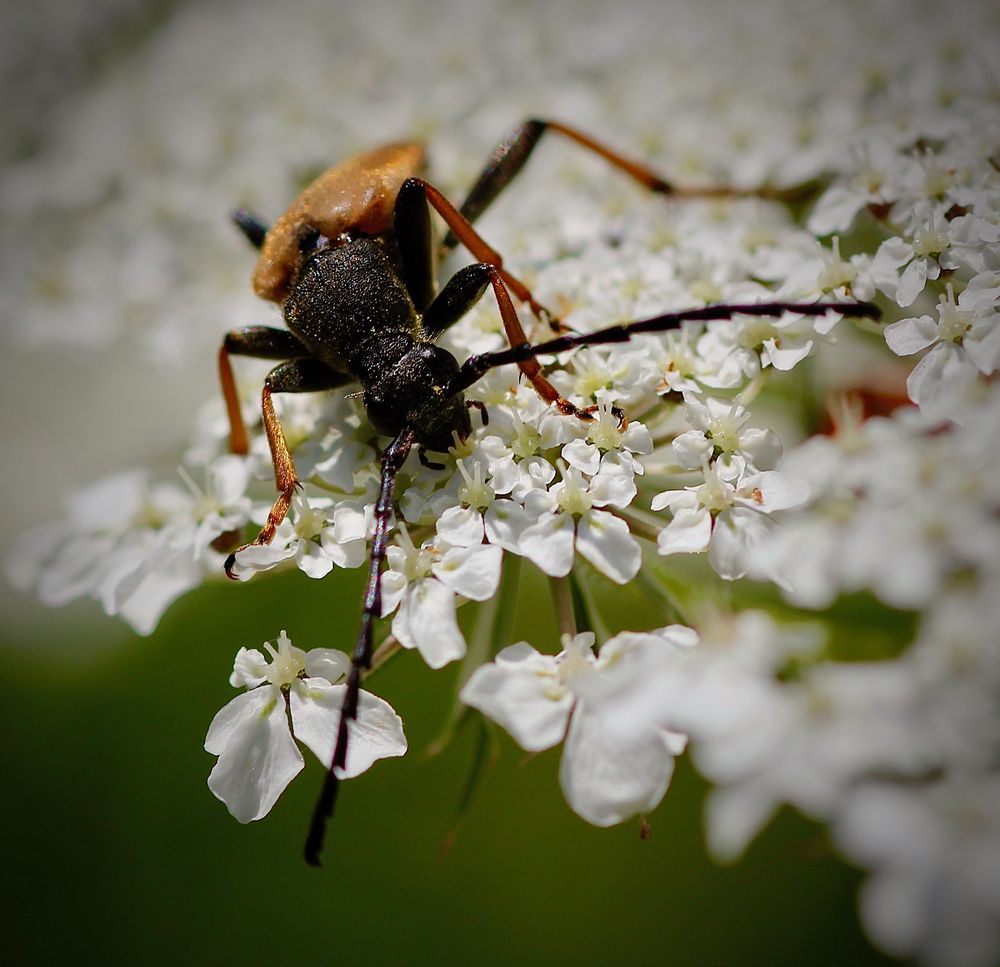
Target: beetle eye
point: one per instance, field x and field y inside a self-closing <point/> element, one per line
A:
<point x="308" y="239"/>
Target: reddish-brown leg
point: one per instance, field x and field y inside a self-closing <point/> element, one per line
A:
<point x="260" y="342"/>
<point x="501" y="281"/>
<point x="294" y="376"/>
<point x="238" y="442"/>
<point x="481" y="251"/>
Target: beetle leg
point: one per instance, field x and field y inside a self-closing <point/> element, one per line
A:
<point x="471" y="239"/>
<point x="616" y="411"/>
<point x="429" y="464"/>
<point x="481" y="406"/>
<point x="294" y="376"/>
<point x="462" y="291"/>
<point x="261" y="342"/>
<point x="527" y="363"/>
<point x="412" y="224"/>
<point x="512" y="153"/>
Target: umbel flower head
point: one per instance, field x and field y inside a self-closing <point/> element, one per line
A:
<point x="838" y="473"/>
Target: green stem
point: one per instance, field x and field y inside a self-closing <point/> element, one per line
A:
<point x="562" y="597"/>
<point x="389" y="647"/>
<point x="588" y="616"/>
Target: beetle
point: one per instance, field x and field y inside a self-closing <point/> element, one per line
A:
<point x="352" y="265"/>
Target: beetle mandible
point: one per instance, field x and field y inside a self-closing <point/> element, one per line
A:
<point x="352" y="265"/>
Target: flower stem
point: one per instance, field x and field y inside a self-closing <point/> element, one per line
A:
<point x="390" y="645"/>
<point x="562" y="598"/>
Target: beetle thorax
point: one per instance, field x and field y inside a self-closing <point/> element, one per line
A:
<point x="347" y="297"/>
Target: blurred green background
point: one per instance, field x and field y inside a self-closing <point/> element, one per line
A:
<point x="116" y="851"/>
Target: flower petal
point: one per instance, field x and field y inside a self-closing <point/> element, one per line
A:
<point x="607" y="543"/>
<point x="426" y="621"/>
<point x="461" y="526"/>
<point x="689" y="532"/>
<point x="607" y="779"/>
<point x="549" y="544"/>
<point x="473" y="572"/>
<point x="521" y="691"/>
<point x="377" y="733"/>
<point x="259" y="758"/>
<point x="328" y="663"/>
<point x="909" y="336"/>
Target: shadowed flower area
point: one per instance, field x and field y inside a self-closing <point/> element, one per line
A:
<point x="744" y="562"/>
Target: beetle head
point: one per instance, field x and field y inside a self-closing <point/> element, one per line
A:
<point x="414" y="394"/>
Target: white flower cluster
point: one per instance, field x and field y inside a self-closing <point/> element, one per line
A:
<point x="899" y="753"/>
<point x="133" y="545"/>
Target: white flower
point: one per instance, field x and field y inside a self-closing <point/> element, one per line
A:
<point x="605" y="435"/>
<point x="898" y="505"/>
<point x="340" y="452"/>
<point x="720" y="434"/>
<point x="423" y="582"/>
<point x="607" y="774"/>
<point x="966" y="342"/>
<point x="873" y="181"/>
<point x="924" y="257"/>
<point x="317" y="533"/>
<point x="132" y="546"/>
<point x="724" y="519"/>
<point x="934" y="854"/>
<point x="739" y="349"/>
<point x="478" y="515"/>
<point x="569" y="518"/>
<point x="673" y="362"/>
<point x="290" y="699"/>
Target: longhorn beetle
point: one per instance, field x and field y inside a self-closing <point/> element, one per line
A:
<point x="351" y="263"/>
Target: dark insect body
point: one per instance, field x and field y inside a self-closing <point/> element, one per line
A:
<point x="351" y="263"/>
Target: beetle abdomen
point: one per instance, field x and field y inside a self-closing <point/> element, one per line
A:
<point x="357" y="195"/>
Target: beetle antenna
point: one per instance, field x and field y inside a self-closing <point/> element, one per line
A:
<point x="393" y="458"/>
<point x="250" y="225"/>
<point x="476" y="366"/>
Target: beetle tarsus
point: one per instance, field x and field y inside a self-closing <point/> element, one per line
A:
<point x="481" y="406"/>
<point x="429" y="464"/>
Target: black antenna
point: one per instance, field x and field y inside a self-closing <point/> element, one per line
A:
<point x="392" y="460"/>
<point x="475" y="366"/>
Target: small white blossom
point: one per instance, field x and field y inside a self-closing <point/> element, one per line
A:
<point x="934" y="853"/>
<point x="318" y="534"/>
<point x="726" y="520"/>
<point x="964" y="341"/>
<point x="421" y="585"/>
<point x="720" y="434"/>
<point x="542" y="700"/>
<point x="924" y="258"/>
<point x="133" y="546"/>
<point x="291" y="698"/>
<point x="570" y="517"/>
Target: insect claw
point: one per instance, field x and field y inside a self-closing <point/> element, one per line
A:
<point x="616" y="411"/>
<point x="481" y="406"/>
<point x="571" y="409"/>
<point x="429" y="464"/>
<point x="554" y="322"/>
